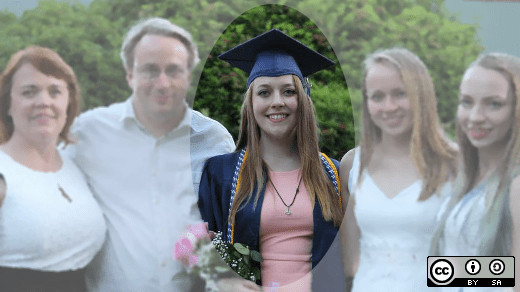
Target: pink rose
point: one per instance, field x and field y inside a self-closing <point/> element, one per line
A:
<point x="185" y="247"/>
<point x="200" y="231"/>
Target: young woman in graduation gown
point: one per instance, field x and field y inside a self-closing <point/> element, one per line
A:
<point x="276" y="193"/>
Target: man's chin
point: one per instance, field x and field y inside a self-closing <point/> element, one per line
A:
<point x="169" y="108"/>
<point x="162" y="100"/>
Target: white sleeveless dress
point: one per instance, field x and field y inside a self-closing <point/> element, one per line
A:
<point x="395" y="235"/>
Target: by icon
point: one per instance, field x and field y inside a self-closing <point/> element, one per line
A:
<point x="472" y="267"/>
<point x="442" y="271"/>
<point x="497" y="267"/>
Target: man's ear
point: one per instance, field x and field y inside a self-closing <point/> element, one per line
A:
<point x="129" y="78"/>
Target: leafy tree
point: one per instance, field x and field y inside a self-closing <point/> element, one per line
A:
<point x="89" y="38"/>
<point x="358" y="28"/>
<point x="84" y="39"/>
<point x="221" y="86"/>
<point x="6" y="39"/>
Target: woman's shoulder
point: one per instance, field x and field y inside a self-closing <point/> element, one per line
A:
<point x="348" y="158"/>
<point x="3" y="160"/>
<point x="223" y="165"/>
<point x="11" y="168"/>
<point x="227" y="159"/>
<point x="347" y="161"/>
<point x="329" y="160"/>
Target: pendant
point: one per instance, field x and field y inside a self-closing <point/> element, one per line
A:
<point x="288" y="212"/>
<point x="64" y="194"/>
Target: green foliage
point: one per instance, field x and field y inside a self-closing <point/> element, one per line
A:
<point x="221" y="87"/>
<point x="358" y="28"/>
<point x="84" y="39"/>
<point x="334" y="111"/>
<point x="240" y="257"/>
<point x="89" y="38"/>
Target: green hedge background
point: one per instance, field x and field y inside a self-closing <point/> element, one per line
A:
<point x="89" y="39"/>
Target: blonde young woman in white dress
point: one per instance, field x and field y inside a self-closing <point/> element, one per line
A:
<point x="481" y="218"/>
<point x="394" y="176"/>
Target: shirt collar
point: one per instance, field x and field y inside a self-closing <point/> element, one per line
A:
<point x="129" y="114"/>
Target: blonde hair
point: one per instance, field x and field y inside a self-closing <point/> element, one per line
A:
<point x="430" y="152"/>
<point x="313" y="175"/>
<point x="498" y="218"/>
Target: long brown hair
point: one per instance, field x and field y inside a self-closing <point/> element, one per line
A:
<point x="496" y="225"/>
<point x="49" y="63"/>
<point x="430" y="152"/>
<point x="509" y="67"/>
<point x="313" y="175"/>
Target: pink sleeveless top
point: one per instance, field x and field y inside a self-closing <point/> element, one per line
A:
<point x="286" y="240"/>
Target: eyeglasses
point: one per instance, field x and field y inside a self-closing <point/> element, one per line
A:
<point x="152" y="72"/>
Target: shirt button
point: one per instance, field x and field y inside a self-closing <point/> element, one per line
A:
<point x="163" y="263"/>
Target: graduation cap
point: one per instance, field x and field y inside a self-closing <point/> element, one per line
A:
<point x="273" y="54"/>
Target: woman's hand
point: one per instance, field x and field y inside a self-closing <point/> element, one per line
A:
<point x="237" y="285"/>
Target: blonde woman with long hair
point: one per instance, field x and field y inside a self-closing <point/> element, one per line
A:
<point x="276" y="193"/>
<point x="395" y="176"/>
<point x="481" y="217"/>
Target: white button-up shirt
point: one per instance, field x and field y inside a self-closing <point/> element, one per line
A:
<point x="147" y="190"/>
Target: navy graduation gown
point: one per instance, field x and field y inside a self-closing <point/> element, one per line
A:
<point x="214" y="199"/>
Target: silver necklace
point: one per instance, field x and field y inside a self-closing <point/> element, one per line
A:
<point x="288" y="211"/>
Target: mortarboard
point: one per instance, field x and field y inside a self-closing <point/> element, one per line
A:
<point x="274" y="53"/>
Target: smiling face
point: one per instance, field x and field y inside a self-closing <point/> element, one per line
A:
<point x="275" y="102"/>
<point x="388" y="104"/>
<point x="38" y="105"/>
<point x="485" y="111"/>
<point x="160" y="77"/>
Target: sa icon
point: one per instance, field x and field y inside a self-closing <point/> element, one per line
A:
<point x="442" y="271"/>
<point x="497" y="267"/>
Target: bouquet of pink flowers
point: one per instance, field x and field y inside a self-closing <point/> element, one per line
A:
<point x="196" y="250"/>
